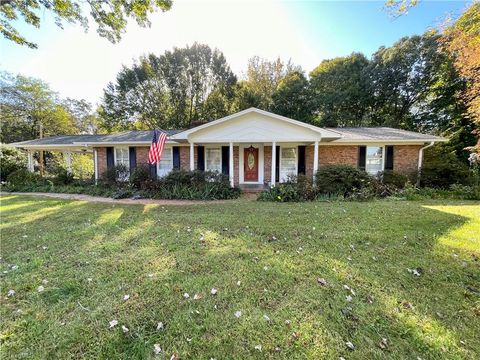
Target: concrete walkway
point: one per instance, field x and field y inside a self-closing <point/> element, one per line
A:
<point x="117" y="201"/>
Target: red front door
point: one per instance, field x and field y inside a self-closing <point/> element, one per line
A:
<point x="250" y="164"/>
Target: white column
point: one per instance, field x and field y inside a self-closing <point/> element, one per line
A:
<point x="274" y="159"/>
<point x="315" y="159"/>
<point x="95" y="164"/>
<point x="192" y="157"/>
<point x="230" y="168"/>
<point x="30" y="165"/>
<point x="68" y="159"/>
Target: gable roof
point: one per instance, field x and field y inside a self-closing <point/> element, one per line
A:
<point x="323" y="132"/>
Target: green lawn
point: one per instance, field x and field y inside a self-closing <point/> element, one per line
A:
<point x="93" y="254"/>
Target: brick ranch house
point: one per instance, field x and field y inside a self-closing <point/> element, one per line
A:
<point x="253" y="147"/>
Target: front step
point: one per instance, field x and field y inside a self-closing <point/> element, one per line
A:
<point x="252" y="188"/>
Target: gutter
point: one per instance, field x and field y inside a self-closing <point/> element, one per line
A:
<point x="420" y="161"/>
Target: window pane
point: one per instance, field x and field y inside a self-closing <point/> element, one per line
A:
<point x="288" y="162"/>
<point x="374" y="159"/>
<point x="213" y="160"/>
<point x="166" y="162"/>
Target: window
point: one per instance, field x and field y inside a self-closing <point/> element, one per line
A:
<point x="122" y="158"/>
<point x="374" y="161"/>
<point x="166" y="162"/>
<point x="288" y="162"/>
<point x="213" y="159"/>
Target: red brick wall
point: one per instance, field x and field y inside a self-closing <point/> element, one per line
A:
<point x="185" y="157"/>
<point x="267" y="163"/>
<point x="338" y="154"/>
<point x="405" y="158"/>
<point x="102" y="160"/>
<point x="142" y="155"/>
<point x="236" y="163"/>
<point x="309" y="150"/>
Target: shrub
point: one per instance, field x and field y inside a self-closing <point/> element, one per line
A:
<point x="115" y="175"/>
<point x="139" y="176"/>
<point x="389" y="177"/>
<point x="284" y="192"/>
<point x="24" y="180"/>
<point x="296" y="188"/>
<point x="63" y="177"/>
<point x="11" y="159"/>
<point x="341" y="180"/>
<point x="442" y="169"/>
<point x="194" y="185"/>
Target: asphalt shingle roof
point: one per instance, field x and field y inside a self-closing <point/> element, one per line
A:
<point x="381" y="133"/>
<point x="347" y="134"/>
<point x="125" y="136"/>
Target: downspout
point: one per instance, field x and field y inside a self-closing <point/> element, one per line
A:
<point x="420" y="161"/>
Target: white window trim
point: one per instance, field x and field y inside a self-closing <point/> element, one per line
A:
<point x="383" y="157"/>
<point x="115" y="154"/>
<point x="128" y="157"/>
<point x="171" y="160"/>
<point x="205" y="157"/>
<point x="296" y="161"/>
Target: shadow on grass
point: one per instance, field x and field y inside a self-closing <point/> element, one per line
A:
<point x="276" y="251"/>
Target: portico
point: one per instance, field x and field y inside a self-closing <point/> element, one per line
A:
<point x="269" y="147"/>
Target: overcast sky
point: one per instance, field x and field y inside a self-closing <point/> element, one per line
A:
<point x="79" y="64"/>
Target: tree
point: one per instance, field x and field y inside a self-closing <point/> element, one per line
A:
<point x="111" y="16"/>
<point x="292" y="97"/>
<point x="461" y="40"/>
<point x="409" y="80"/>
<point x="262" y="79"/>
<point x="341" y="92"/>
<point x="28" y="107"/>
<point x="175" y="90"/>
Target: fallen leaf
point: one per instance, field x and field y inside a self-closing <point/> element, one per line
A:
<point x="287" y="322"/>
<point x="160" y="326"/>
<point x="266" y="317"/>
<point x="186" y="296"/>
<point x="174" y="357"/>
<point x="44" y="281"/>
<point x="238" y="314"/>
<point x="350" y="345"/>
<point x="322" y="281"/>
<point x="10" y="293"/>
<point x="258" y="347"/>
<point x="197" y="297"/>
<point x="113" y="323"/>
<point x="348" y="298"/>
<point x="126" y="297"/>
<point x="238" y="283"/>
<point x="383" y="344"/>
<point x="40" y="288"/>
<point x="125" y="329"/>
<point x="157" y="349"/>
<point x="213" y="291"/>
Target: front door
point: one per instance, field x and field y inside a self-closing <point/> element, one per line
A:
<point x="250" y="164"/>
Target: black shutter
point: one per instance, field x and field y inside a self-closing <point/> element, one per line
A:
<point x="132" y="156"/>
<point x="153" y="171"/>
<point x="176" y="157"/>
<point x="301" y="160"/>
<point x="201" y="158"/>
<point x="389" y="157"/>
<point x="226" y="160"/>
<point x="277" y="164"/>
<point x="110" y="158"/>
<point x="362" y="157"/>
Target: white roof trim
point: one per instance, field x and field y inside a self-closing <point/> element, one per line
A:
<point x="323" y="132"/>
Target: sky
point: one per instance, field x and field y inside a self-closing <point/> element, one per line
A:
<point x="79" y="65"/>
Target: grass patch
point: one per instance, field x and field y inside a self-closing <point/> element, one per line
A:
<point x="93" y="254"/>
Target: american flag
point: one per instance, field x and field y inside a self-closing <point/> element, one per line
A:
<point x="156" y="149"/>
